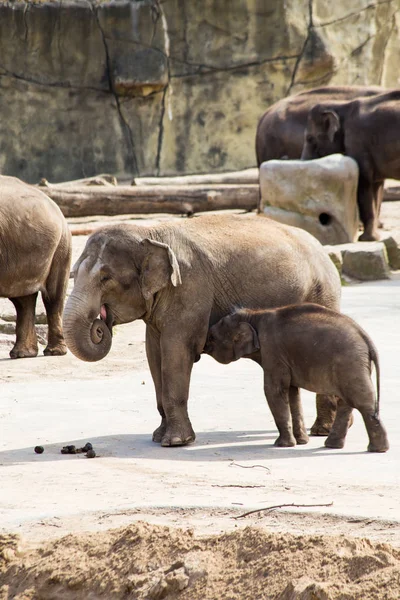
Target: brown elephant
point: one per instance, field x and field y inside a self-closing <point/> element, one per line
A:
<point x="280" y="131"/>
<point x="311" y="347"/>
<point x="180" y="278"/>
<point x="35" y="256"/>
<point x="367" y="129"/>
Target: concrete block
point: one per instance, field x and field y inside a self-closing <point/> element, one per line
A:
<point x="319" y="196"/>
<point x="366" y="261"/>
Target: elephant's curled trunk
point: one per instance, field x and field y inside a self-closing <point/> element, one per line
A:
<point x="88" y="337"/>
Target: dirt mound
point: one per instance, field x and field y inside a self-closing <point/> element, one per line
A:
<point x="152" y="562"/>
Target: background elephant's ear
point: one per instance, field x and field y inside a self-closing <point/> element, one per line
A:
<point x="160" y="266"/>
<point x="245" y="340"/>
<point x="331" y="123"/>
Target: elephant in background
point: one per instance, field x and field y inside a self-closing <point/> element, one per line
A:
<point x="280" y="131"/>
<point x="311" y="347"/>
<point x="368" y="130"/>
<point x="181" y="278"/>
<point x="35" y="256"/>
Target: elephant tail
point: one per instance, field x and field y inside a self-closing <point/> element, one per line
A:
<point x="373" y="356"/>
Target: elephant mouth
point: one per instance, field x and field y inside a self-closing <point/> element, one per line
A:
<point x="107" y="316"/>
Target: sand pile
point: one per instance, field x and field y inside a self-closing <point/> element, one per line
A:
<point x="152" y="562"/>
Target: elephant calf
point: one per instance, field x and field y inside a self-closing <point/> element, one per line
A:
<point x="311" y="347"/>
<point x="35" y="256"/>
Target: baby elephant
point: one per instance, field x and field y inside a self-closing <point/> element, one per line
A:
<point x="311" y="347"/>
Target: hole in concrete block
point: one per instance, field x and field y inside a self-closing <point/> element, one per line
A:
<point x="325" y="219"/>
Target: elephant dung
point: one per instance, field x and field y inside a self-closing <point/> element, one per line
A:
<point x="318" y="195"/>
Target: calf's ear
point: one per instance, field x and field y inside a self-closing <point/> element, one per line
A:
<point x="331" y="123"/>
<point x="159" y="267"/>
<point x="245" y="340"/>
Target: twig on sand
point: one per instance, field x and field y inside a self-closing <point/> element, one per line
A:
<point x="236" y="485"/>
<point x="257" y="510"/>
<point x="234" y="464"/>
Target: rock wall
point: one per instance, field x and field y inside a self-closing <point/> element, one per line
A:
<point x="153" y="87"/>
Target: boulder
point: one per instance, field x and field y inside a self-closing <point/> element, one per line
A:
<point x="392" y="244"/>
<point x="319" y="196"/>
<point x="366" y="261"/>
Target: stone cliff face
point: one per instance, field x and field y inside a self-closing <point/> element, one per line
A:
<point x="163" y="87"/>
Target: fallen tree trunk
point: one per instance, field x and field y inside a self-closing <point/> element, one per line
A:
<point x="122" y="200"/>
<point x="247" y="176"/>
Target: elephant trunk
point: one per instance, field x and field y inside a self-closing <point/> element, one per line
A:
<point x="88" y="337"/>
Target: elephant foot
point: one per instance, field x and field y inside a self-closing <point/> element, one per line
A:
<point x="174" y="438"/>
<point x="58" y="350"/>
<point x="369" y="237"/>
<point x="380" y="448"/>
<point x="159" y="433"/>
<point x="285" y="442"/>
<point x="302" y="439"/>
<point x="22" y="352"/>
<point x="320" y="429"/>
<point x="334" y="442"/>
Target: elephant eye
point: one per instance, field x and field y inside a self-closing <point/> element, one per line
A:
<point x="104" y="277"/>
<point x="310" y="139"/>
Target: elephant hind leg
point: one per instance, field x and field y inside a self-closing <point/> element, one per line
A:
<point x="26" y="345"/>
<point x="364" y="400"/>
<point x="53" y="299"/>
<point x="341" y="424"/>
<point x="378" y="441"/>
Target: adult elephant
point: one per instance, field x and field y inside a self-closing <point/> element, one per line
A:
<point x="35" y="256"/>
<point x="280" y="131"/>
<point x="181" y="278"/>
<point x="367" y="129"/>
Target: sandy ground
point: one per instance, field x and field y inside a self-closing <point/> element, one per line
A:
<point x="140" y="521"/>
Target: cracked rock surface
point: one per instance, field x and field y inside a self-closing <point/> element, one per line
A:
<point x="145" y="87"/>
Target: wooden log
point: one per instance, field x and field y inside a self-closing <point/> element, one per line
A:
<point x="121" y="200"/>
<point x="102" y="179"/>
<point x="246" y="176"/>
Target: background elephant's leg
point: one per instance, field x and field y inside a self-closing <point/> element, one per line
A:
<point x="378" y="194"/>
<point x="343" y="420"/>
<point x="53" y="300"/>
<point x="296" y="410"/>
<point x="326" y="412"/>
<point x="26" y="343"/>
<point x="277" y="396"/>
<point x="56" y="345"/>
<point x="177" y="360"/>
<point x="153" y="353"/>
<point x="368" y="205"/>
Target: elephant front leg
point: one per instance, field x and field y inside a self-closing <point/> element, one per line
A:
<point x="171" y="361"/>
<point x="153" y="352"/>
<point x="369" y="197"/>
<point x="278" y="401"/>
<point x="26" y="340"/>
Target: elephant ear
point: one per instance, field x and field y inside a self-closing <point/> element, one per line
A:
<point x="245" y="340"/>
<point x="331" y="123"/>
<point x="160" y="266"/>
